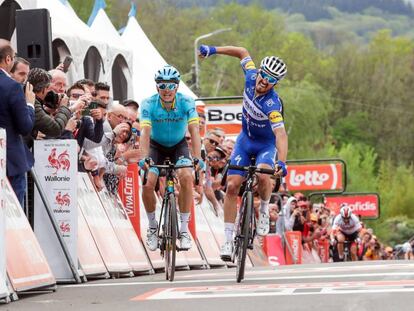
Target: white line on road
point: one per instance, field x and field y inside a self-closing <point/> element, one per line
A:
<point x="298" y="277"/>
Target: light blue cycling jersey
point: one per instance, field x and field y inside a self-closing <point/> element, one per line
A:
<point x="168" y="127"/>
<point x="262" y="114"/>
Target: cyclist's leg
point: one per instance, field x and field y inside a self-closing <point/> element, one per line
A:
<point x="352" y="238"/>
<point x="240" y="156"/>
<point x="265" y="159"/>
<point x="185" y="195"/>
<point x="148" y="194"/>
<point x="341" y="239"/>
<point x="182" y="156"/>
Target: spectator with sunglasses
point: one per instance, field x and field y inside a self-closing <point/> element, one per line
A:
<point x="263" y="132"/>
<point x="164" y="119"/>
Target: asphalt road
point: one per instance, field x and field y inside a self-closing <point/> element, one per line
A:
<point x="386" y="285"/>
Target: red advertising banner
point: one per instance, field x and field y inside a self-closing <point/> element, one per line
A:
<point x="295" y="249"/>
<point x="272" y="246"/>
<point x="364" y="205"/>
<point x="128" y="192"/>
<point x="304" y="177"/>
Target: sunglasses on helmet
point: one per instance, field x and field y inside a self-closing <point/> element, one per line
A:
<point x="269" y="78"/>
<point x="169" y="86"/>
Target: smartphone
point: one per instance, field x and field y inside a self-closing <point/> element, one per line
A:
<point x="92" y="105"/>
<point x="66" y="63"/>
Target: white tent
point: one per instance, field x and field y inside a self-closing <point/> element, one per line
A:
<point x="119" y="57"/>
<point x="147" y="60"/>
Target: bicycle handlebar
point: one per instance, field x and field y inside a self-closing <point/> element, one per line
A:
<point x="170" y="166"/>
<point x="259" y="170"/>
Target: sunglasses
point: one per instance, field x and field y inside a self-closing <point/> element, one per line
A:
<point x="269" y="78"/>
<point x="167" y="86"/>
<point x="213" y="158"/>
<point x="213" y="142"/>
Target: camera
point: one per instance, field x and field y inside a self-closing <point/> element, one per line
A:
<point x="52" y="100"/>
<point x="87" y="110"/>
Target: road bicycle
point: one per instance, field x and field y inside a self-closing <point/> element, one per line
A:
<point x="168" y="231"/>
<point x="246" y="220"/>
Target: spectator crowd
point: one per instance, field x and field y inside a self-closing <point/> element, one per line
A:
<point x="36" y="104"/>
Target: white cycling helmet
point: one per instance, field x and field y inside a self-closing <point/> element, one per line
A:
<point x="274" y="66"/>
<point x="346" y="212"/>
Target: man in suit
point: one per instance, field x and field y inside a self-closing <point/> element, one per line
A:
<point x="17" y="118"/>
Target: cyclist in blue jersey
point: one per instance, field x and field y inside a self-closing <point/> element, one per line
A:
<point x="164" y="119"/>
<point x="263" y="134"/>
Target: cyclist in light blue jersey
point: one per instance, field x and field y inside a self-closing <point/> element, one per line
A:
<point x="263" y="134"/>
<point x="164" y="119"/>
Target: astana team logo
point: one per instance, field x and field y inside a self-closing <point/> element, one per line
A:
<point x="59" y="162"/>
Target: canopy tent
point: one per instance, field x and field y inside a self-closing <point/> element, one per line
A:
<point x="147" y="60"/>
<point x="119" y="57"/>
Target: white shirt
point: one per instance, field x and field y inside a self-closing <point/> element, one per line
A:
<point x="348" y="228"/>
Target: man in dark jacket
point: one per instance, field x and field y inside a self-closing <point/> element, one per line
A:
<point x="46" y="102"/>
<point x="17" y="118"/>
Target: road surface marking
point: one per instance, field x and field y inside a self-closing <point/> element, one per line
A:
<point x="241" y="290"/>
<point x="298" y="277"/>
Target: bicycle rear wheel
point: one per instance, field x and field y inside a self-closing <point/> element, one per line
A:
<point x="170" y="238"/>
<point x="242" y="238"/>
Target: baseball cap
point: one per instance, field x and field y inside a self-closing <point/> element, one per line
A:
<point x="129" y="102"/>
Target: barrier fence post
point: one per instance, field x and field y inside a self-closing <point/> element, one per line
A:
<point x="4" y="293"/>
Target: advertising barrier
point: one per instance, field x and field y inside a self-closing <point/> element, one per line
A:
<point x="101" y="228"/>
<point x="315" y="176"/>
<point x="216" y="225"/>
<point x="89" y="258"/>
<point x="272" y="246"/>
<point x="56" y="168"/>
<point x="366" y="205"/>
<point x="26" y="264"/>
<point x="293" y="248"/>
<point x="3" y="286"/>
<point x="128" y="239"/>
<point x="206" y="239"/>
<point x="129" y="193"/>
<point x="323" y="250"/>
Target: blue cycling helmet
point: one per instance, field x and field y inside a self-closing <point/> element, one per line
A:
<point x="167" y="73"/>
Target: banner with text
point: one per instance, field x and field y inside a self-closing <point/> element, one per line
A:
<point x="3" y="286"/>
<point x="365" y="205"/>
<point x="225" y="115"/>
<point x="129" y="193"/>
<point x="56" y="167"/>
<point x="315" y="177"/>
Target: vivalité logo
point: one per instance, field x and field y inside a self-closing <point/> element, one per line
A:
<point x="59" y="162"/>
<point x="62" y="200"/>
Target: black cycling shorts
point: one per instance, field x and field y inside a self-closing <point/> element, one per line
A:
<point x="351" y="237"/>
<point x="160" y="153"/>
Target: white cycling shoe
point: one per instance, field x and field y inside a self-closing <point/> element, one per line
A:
<point x="263" y="223"/>
<point x="185" y="241"/>
<point x="226" y="251"/>
<point x="152" y="239"/>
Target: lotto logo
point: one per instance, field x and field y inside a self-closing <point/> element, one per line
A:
<point x="314" y="177"/>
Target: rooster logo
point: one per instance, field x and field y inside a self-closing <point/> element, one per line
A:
<point x="63" y="200"/>
<point x="64" y="227"/>
<point x="60" y="161"/>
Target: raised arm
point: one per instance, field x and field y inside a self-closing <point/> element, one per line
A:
<point x="205" y="51"/>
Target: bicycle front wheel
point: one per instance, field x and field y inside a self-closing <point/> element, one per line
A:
<point x="242" y="238"/>
<point x="171" y="238"/>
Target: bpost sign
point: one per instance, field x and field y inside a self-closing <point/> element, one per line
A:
<point x="315" y="177"/>
<point x="364" y="205"/>
<point x="227" y="116"/>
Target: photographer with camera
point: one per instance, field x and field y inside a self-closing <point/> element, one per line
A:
<point x="51" y="110"/>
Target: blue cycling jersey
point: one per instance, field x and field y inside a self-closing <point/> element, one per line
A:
<point x="168" y="127"/>
<point x="261" y="114"/>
